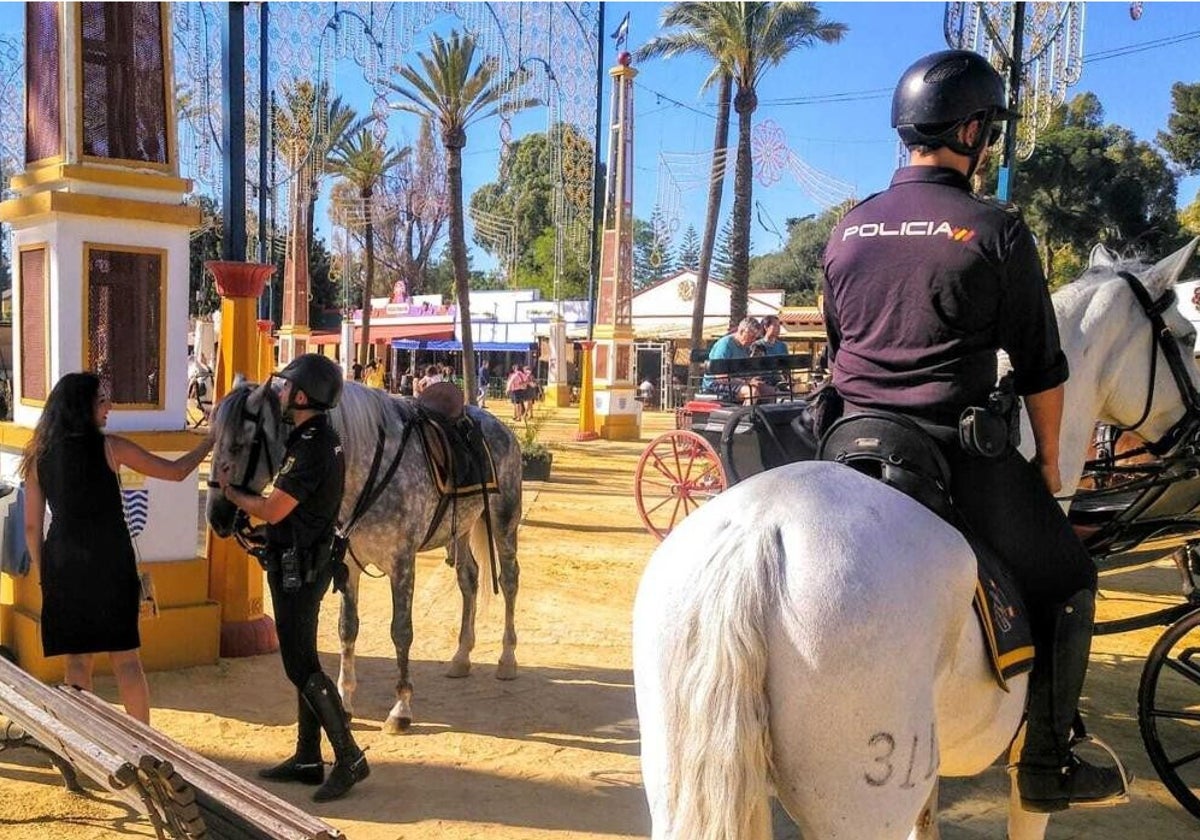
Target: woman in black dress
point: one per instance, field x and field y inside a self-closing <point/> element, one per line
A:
<point x="90" y="589"/>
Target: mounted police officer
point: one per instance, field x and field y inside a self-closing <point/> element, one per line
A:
<point x="924" y="282"/>
<point x="301" y="513"/>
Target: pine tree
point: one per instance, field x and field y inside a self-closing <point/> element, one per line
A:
<point x="722" y="264"/>
<point x="689" y="251"/>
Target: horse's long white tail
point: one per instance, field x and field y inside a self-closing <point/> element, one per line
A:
<point x="716" y="766"/>
<point x="483" y="550"/>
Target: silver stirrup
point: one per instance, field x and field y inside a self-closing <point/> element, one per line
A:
<point x="1126" y="778"/>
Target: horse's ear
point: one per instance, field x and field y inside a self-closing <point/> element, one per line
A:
<point x="1169" y="270"/>
<point x="1101" y="257"/>
<point x="239" y="379"/>
<point x="254" y="402"/>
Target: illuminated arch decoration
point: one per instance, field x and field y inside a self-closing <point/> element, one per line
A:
<point x="1051" y="59"/>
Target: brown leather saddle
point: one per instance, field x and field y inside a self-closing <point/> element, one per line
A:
<point x="459" y="459"/>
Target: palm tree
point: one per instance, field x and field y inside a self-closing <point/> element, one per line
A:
<point x="363" y="161"/>
<point x="308" y="126"/>
<point x="747" y="40"/>
<point x="454" y="91"/>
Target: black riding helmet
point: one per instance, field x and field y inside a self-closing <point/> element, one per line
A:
<point x="318" y="377"/>
<point x="944" y="90"/>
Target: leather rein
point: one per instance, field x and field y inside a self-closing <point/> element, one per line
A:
<point x="1187" y="427"/>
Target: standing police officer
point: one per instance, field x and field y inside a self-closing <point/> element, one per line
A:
<point x="924" y="282"/>
<point x="301" y="513"/>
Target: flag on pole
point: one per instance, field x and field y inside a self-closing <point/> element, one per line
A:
<point x="621" y="35"/>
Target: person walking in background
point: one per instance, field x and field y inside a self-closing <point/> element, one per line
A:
<point x="515" y="388"/>
<point x="373" y="377"/>
<point x="530" y="388"/>
<point x="356" y="372"/>
<point x="301" y="513"/>
<point x="90" y="586"/>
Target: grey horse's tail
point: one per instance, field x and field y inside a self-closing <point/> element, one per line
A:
<point x="715" y="706"/>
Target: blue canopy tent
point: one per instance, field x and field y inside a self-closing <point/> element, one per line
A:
<point x="450" y="345"/>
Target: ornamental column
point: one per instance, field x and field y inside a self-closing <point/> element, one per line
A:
<point x="100" y="258"/>
<point x="618" y="415"/>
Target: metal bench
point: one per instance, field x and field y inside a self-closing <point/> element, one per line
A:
<point x="182" y="793"/>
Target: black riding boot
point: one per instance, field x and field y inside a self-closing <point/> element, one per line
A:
<point x="350" y="764"/>
<point x="1050" y="777"/>
<point x="305" y="766"/>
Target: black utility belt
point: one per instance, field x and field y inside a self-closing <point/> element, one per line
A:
<point x="295" y="565"/>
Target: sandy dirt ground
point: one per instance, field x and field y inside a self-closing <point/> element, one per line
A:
<point x="553" y="754"/>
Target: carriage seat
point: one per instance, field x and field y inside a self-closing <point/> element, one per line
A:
<point x="897" y="451"/>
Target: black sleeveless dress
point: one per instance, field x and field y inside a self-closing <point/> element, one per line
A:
<point x="90" y="589"/>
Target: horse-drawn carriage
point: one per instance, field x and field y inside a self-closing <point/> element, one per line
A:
<point x="1127" y="498"/>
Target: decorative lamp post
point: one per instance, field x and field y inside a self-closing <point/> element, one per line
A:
<point x="618" y="413"/>
<point x="1038" y="47"/>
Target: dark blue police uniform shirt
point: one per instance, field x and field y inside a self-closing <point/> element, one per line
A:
<point x="923" y="283"/>
<point x="314" y="474"/>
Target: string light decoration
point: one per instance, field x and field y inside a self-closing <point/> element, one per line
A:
<point x="312" y="40"/>
<point x="1050" y="60"/>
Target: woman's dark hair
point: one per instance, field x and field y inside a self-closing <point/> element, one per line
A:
<point x="70" y="411"/>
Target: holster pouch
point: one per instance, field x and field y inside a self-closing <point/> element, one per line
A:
<point x="992" y="431"/>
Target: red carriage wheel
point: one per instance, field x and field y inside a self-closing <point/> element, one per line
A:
<point x="678" y="472"/>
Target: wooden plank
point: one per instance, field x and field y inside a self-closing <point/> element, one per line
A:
<point x="216" y="787"/>
<point x="99" y="764"/>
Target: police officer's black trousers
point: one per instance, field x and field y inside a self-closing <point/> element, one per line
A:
<point x="296" y="615"/>
<point x="1006" y="503"/>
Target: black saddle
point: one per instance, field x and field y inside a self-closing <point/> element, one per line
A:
<point x="899" y="452"/>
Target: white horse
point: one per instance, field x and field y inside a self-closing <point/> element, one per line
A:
<point x="810" y="631"/>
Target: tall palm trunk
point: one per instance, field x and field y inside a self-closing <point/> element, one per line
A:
<point x="716" y="189"/>
<point x="458" y="255"/>
<point x="743" y="191"/>
<point x="369" y="283"/>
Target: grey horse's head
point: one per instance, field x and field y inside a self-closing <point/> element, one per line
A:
<point x="248" y="441"/>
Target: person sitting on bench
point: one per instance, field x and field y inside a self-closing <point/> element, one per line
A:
<point x="737" y="345"/>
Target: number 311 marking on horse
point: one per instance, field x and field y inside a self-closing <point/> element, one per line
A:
<point x="883" y="765"/>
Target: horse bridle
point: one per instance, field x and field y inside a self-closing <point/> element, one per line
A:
<point x="1188" y="426"/>
<point x="243" y="531"/>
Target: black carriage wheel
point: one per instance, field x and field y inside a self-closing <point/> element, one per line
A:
<point x="1169" y="710"/>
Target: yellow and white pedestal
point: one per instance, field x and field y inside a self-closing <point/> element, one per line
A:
<point x="101" y="234"/>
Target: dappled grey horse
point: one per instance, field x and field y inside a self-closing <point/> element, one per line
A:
<point x="250" y="437"/>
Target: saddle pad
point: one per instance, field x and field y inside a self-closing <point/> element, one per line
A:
<point x="1003" y="618"/>
<point x="459" y="460"/>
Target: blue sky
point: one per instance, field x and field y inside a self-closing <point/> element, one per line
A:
<point x="848" y="139"/>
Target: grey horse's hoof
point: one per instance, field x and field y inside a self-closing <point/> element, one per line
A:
<point x="458" y="669"/>
<point x="506" y="670"/>
<point x="396" y="726"/>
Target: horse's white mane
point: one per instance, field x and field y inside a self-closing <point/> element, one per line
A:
<point x="360" y="412"/>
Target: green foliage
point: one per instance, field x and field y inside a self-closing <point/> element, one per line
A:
<point x="524" y="195"/>
<point x="722" y="261"/>
<point x="536" y="270"/>
<point x="1182" y="137"/>
<point x="651" y="253"/>
<point x="1189" y="217"/>
<point x="1089" y="182"/>
<point x="528" y="431"/>
<point x="688" y="257"/>
<point x="799" y="267"/>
